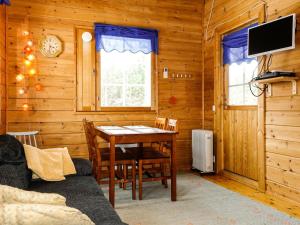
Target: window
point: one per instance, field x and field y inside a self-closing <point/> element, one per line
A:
<point x="116" y="73"/>
<point x="239" y="75"/>
<point x="125" y="79"/>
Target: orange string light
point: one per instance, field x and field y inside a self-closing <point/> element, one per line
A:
<point x="38" y="87"/>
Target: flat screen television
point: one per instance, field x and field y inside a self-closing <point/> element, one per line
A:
<point x="274" y="36"/>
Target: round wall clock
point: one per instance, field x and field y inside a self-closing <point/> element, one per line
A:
<point x="51" y="46"/>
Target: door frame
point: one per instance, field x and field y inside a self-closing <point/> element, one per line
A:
<point x="219" y="103"/>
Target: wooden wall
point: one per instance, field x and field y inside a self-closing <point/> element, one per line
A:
<point x="180" y="44"/>
<point x="282" y="118"/>
<point x="2" y="69"/>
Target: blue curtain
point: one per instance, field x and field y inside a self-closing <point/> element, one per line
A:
<point x="110" y="37"/>
<point x="235" y="46"/>
<point x="6" y="2"/>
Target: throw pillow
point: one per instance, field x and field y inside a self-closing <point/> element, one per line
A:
<point x="14" y="195"/>
<point x="47" y="165"/>
<point x="68" y="165"/>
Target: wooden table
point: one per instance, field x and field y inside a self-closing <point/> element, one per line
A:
<point x="136" y="134"/>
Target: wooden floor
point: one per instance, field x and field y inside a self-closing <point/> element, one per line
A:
<point x="289" y="207"/>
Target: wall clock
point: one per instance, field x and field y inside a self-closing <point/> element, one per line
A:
<point x="51" y="46"/>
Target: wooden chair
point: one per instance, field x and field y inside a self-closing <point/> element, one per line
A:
<point x="160" y="122"/>
<point x="28" y="137"/>
<point x="171" y="125"/>
<point x="102" y="157"/>
<point x="150" y="156"/>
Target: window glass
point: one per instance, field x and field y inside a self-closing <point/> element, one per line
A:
<point x="125" y="79"/>
<point x="239" y="75"/>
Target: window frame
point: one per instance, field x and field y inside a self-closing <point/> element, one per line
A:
<point x="226" y="93"/>
<point x="96" y="80"/>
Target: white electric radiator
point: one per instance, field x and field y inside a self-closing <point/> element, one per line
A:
<point x="203" y="151"/>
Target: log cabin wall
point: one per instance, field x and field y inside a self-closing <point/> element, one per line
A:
<point x="2" y="69"/>
<point x="282" y="117"/>
<point x="53" y="109"/>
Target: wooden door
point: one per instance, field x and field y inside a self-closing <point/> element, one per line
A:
<point x="240" y="122"/>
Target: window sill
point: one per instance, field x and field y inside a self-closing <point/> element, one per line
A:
<point x="240" y="107"/>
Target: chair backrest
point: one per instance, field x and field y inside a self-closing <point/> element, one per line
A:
<point x="172" y="125"/>
<point x="27" y="137"/>
<point x="92" y="140"/>
<point x="160" y="122"/>
<point x="88" y="140"/>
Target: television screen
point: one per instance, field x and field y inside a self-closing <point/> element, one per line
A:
<point x="267" y="38"/>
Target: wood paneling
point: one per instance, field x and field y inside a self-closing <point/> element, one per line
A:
<point x="282" y="111"/>
<point x="53" y="110"/>
<point x="240" y="142"/>
<point x="2" y="69"/>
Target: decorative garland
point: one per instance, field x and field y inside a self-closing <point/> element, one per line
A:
<point x="29" y="71"/>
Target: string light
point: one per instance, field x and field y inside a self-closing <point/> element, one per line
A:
<point x="30" y="57"/>
<point x="27" y="50"/>
<point x="25" y="33"/>
<point x="20" y="77"/>
<point x="21" y="91"/>
<point x="25" y="106"/>
<point x="27" y="62"/>
<point x="30" y="43"/>
<point x="32" y="72"/>
<point x="38" y="87"/>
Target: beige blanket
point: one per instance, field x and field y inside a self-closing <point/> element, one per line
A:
<point x="19" y="207"/>
<point x="49" y="164"/>
<point x="11" y="195"/>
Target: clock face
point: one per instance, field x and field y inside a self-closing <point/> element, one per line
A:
<point x="50" y="46"/>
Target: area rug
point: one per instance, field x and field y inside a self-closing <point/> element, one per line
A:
<point x="200" y="202"/>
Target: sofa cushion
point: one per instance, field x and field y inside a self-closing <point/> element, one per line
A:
<point x="15" y="175"/>
<point x="83" y="166"/>
<point x="83" y="193"/>
<point x="13" y="166"/>
<point x="11" y="150"/>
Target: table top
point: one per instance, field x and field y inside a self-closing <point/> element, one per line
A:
<point x="132" y="130"/>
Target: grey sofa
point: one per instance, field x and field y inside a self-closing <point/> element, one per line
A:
<point x="81" y="190"/>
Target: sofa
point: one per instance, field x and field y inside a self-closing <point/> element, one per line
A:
<point x="81" y="190"/>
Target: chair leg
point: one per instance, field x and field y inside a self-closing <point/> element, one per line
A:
<point x="98" y="173"/>
<point x="164" y="181"/>
<point x="162" y="173"/>
<point x="125" y="170"/>
<point x="133" y="181"/>
<point x="165" y="174"/>
<point x="119" y="172"/>
<point x="140" y="180"/>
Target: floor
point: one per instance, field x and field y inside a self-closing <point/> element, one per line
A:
<point x="200" y="201"/>
<point x="288" y="207"/>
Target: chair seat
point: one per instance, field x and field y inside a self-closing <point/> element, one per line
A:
<point x="120" y="155"/>
<point x="146" y="153"/>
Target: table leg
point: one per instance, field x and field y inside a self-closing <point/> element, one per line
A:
<point x="112" y="172"/>
<point x="173" y="169"/>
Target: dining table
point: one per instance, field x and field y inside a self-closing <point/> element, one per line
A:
<point x="117" y="135"/>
